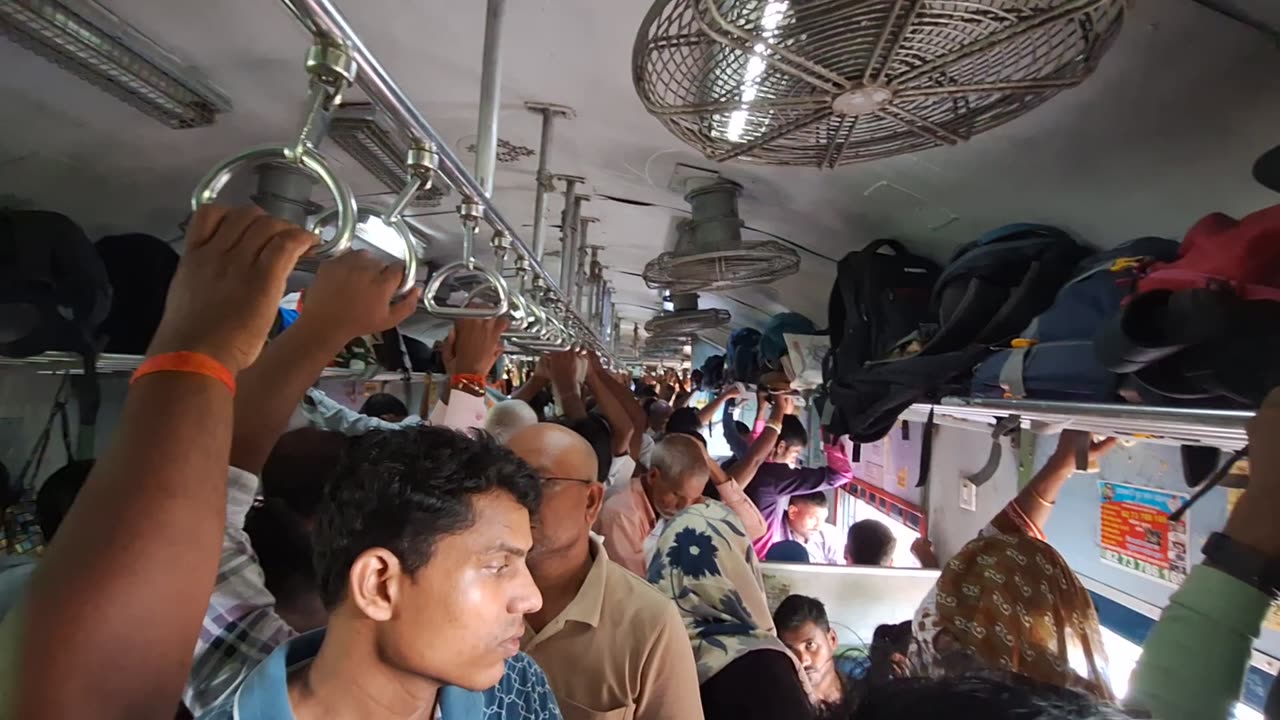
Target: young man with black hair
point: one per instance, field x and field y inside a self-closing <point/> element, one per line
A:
<point x="871" y="542"/>
<point x="418" y="543"/>
<point x="807" y="524"/>
<point x="611" y="645"/>
<point x="802" y="625"/>
<point x="385" y="406"/>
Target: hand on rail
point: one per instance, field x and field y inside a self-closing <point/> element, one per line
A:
<point x="229" y="283"/>
<point x="1252" y="521"/>
<point x="352" y="296"/>
<point x="473" y="346"/>
<point x="1064" y="456"/>
<point x="568" y="370"/>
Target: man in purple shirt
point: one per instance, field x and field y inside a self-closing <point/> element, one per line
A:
<point x="771" y="486"/>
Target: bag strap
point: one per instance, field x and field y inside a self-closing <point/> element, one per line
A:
<point x="897" y="247"/>
<point x="1007" y="425"/>
<point x="926" y="450"/>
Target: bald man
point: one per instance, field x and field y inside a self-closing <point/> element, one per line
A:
<point x="610" y="644"/>
<point x="635" y="512"/>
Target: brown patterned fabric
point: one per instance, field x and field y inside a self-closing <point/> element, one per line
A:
<point x="1010" y="602"/>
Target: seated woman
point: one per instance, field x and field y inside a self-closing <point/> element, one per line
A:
<point x="705" y="563"/>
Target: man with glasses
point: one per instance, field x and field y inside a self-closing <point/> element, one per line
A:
<point x="610" y="644"/>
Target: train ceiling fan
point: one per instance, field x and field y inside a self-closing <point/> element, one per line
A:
<point x="824" y="83"/>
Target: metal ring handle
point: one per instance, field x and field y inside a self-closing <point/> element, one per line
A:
<point x="458" y="268"/>
<point x="401" y="228"/>
<point x="206" y="191"/>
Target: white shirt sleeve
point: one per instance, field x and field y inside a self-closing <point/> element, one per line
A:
<point x="621" y="468"/>
<point x="323" y="412"/>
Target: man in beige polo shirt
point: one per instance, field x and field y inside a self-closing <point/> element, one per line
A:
<point x="611" y="645"/>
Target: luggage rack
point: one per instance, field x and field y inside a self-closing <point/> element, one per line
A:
<point x="53" y="363"/>
<point x="1169" y="425"/>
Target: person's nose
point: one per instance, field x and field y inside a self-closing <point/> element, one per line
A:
<point x="527" y="598"/>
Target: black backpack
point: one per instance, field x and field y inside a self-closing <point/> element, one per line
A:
<point x="54" y="295"/>
<point x="877" y="300"/>
<point x="990" y="291"/>
<point x="140" y="268"/>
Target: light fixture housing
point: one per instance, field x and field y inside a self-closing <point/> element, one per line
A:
<point x="368" y="137"/>
<point x="90" y="42"/>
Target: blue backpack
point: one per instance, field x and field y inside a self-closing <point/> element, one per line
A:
<point x="1054" y="358"/>
<point x="741" y="357"/>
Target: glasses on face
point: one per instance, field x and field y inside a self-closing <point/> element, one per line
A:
<point x="546" y="480"/>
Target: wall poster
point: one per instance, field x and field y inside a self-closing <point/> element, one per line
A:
<point x="1134" y="531"/>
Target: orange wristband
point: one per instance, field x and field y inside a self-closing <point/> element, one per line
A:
<point x="469" y="378"/>
<point x="187" y="362"/>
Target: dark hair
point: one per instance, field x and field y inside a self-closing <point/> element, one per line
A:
<point x="282" y="545"/>
<point x="793" y="432"/>
<point x="595" y="431"/>
<point x="684" y="420"/>
<point x="977" y="696"/>
<point x="539" y="403"/>
<point x="741" y="427"/>
<point x="648" y="392"/>
<point x="403" y="490"/>
<point x="299" y="467"/>
<point x="796" y="610"/>
<point x="816" y="499"/>
<point x="59" y="490"/>
<point x="380" y="404"/>
<point x="871" y="542"/>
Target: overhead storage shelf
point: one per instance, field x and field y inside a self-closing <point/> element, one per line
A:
<point x="111" y="363"/>
<point x="1172" y="425"/>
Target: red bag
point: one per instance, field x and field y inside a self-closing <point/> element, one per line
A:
<point x="1220" y="252"/>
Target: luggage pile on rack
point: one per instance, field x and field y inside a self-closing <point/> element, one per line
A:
<point x="1026" y="312"/>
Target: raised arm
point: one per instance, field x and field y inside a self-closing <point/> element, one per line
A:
<point x="1217" y="614"/>
<point x="351" y="297"/>
<point x="707" y="415"/>
<point x="141" y="544"/>
<point x="744" y="470"/>
<point x="566" y="370"/>
<point x="536" y="382"/>
<point x="1029" y="511"/>
<point x="731" y="494"/>
<point x="620" y="426"/>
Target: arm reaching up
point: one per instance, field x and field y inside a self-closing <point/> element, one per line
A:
<point x="141" y="544"/>
<point x="351" y="297"/>
<point x="1030" y="510"/>
<point x="620" y="425"/>
<point x="763" y="446"/>
<point x="707" y="415"/>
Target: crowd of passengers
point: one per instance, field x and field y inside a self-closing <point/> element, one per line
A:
<point x="573" y="551"/>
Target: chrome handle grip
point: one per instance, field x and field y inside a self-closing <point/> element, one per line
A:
<point x="206" y="191"/>
<point x="459" y="268"/>
<point x="401" y="229"/>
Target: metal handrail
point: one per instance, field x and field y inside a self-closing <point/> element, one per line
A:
<point x="323" y="19"/>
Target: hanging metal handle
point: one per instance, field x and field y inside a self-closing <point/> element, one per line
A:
<point x="401" y="229"/>
<point x="211" y="184"/>
<point x="471" y="213"/>
<point x="464" y="268"/>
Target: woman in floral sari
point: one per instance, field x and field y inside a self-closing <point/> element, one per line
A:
<point x="1008" y="601"/>
<point x="705" y="563"/>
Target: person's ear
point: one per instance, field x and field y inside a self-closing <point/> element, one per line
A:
<point x="595" y="500"/>
<point x="791" y="512"/>
<point x="373" y="583"/>
<point x="831" y="638"/>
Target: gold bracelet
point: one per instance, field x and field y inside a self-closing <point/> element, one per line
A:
<point x="777" y="427"/>
<point x="1041" y="498"/>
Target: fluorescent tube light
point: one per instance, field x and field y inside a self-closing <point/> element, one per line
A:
<point x="91" y="43"/>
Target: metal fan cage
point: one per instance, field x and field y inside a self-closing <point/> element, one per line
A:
<point x="753" y="263"/>
<point x="828" y="82"/>
<point x="682" y="322"/>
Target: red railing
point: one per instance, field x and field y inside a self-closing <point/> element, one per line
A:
<point x="907" y="513"/>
